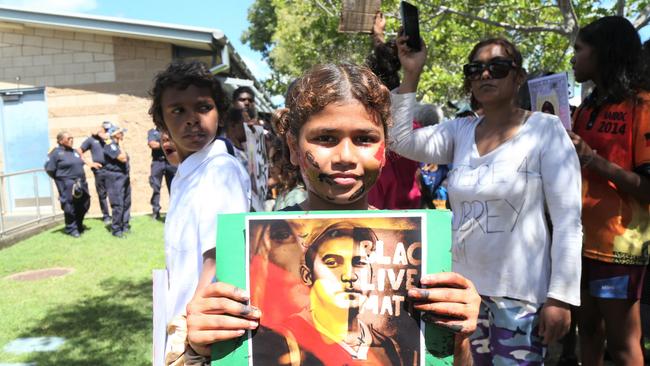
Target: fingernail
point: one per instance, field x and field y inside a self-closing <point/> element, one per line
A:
<point x="428" y="318"/>
<point x="243" y="294"/>
<point x="241" y="331"/>
<point x="252" y="325"/>
<point x="246" y="310"/>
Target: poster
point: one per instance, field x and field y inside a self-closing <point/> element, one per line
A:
<point x="550" y="94"/>
<point x="332" y="286"/>
<point x="358" y="16"/>
<point x="258" y="165"/>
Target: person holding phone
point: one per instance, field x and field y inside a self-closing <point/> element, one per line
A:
<point x="508" y="165"/>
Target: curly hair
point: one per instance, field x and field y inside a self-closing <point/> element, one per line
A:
<point x="617" y="48"/>
<point x="384" y="62"/>
<point x="242" y="90"/>
<point x="180" y="75"/>
<point x="289" y="177"/>
<point x="326" y="84"/>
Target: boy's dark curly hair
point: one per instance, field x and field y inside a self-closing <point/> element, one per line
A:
<point x="180" y="75"/>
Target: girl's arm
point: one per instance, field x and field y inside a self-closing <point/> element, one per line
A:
<point x="626" y="181"/>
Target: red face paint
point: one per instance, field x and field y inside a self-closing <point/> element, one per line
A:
<point x="380" y="154"/>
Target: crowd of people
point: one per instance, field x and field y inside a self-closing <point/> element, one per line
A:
<point x="550" y="227"/>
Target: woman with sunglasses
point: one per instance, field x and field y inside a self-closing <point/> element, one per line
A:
<point x="612" y="138"/>
<point x="508" y="165"/>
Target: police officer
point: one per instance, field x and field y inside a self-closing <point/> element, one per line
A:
<point x="95" y="143"/>
<point x="119" y="187"/>
<point x="65" y="166"/>
<point x="159" y="167"/>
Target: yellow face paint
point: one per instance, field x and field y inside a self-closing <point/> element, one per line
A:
<point x="340" y="270"/>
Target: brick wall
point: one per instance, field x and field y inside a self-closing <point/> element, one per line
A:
<point x="90" y="78"/>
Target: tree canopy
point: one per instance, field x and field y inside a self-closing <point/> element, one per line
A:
<point x="294" y="35"/>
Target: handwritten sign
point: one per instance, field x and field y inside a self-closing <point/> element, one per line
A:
<point x="358" y="16"/>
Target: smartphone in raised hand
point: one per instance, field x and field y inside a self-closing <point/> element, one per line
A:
<point x="411" y="25"/>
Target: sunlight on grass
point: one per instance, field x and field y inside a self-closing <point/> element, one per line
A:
<point x="102" y="309"/>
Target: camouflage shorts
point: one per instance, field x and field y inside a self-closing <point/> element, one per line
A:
<point x="506" y="333"/>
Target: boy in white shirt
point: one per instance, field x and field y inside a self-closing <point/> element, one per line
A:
<point x="186" y="104"/>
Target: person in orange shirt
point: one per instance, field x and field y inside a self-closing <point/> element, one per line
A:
<point x="611" y="134"/>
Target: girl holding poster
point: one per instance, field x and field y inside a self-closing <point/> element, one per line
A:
<point x="509" y="165"/>
<point x="335" y="129"/>
<point x="612" y="137"/>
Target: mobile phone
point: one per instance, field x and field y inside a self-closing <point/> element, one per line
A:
<point x="411" y="25"/>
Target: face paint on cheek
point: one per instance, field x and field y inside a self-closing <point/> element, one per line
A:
<point x="309" y="168"/>
<point x="370" y="178"/>
<point x="310" y="159"/>
<point x="324" y="178"/>
<point x="380" y="155"/>
<point x="358" y="193"/>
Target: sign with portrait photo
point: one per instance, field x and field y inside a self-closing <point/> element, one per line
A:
<point x="550" y="94"/>
<point x="332" y="286"/>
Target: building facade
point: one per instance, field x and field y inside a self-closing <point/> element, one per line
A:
<point x="79" y="71"/>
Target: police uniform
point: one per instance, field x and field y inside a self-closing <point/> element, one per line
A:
<point x="159" y="167"/>
<point x="118" y="187"/>
<point x="96" y="145"/>
<point x="66" y="167"/>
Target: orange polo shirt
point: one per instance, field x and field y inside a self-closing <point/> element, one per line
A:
<point x="616" y="226"/>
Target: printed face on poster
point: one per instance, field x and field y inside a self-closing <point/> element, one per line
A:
<point x="550" y="94"/>
<point x="333" y="289"/>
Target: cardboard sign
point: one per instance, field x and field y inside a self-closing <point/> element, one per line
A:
<point x="550" y="94"/>
<point x="258" y="166"/>
<point x="358" y="16"/>
<point x="332" y="286"/>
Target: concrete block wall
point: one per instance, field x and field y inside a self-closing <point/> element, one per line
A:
<point x="90" y="78"/>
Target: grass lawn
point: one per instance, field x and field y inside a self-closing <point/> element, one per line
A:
<point x="102" y="309"/>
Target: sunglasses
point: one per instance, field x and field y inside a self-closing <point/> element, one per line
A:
<point x="498" y="69"/>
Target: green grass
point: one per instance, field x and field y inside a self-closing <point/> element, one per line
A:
<point x="102" y="309"/>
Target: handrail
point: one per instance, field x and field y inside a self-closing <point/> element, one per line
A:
<point x="40" y="216"/>
<point x="28" y="171"/>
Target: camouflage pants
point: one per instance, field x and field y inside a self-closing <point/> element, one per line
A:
<point x="507" y="333"/>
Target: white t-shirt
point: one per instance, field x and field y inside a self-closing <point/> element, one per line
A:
<point x="207" y="183"/>
<point x="501" y="240"/>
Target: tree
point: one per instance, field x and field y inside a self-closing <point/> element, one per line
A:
<point x="294" y="35"/>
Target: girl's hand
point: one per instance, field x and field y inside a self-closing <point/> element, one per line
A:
<point x="412" y="64"/>
<point x="449" y="300"/>
<point x="585" y="153"/>
<point x="217" y="313"/>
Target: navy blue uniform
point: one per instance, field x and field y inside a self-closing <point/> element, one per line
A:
<point x="160" y="168"/>
<point x="96" y="145"/>
<point x="66" y="168"/>
<point x="119" y="188"/>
